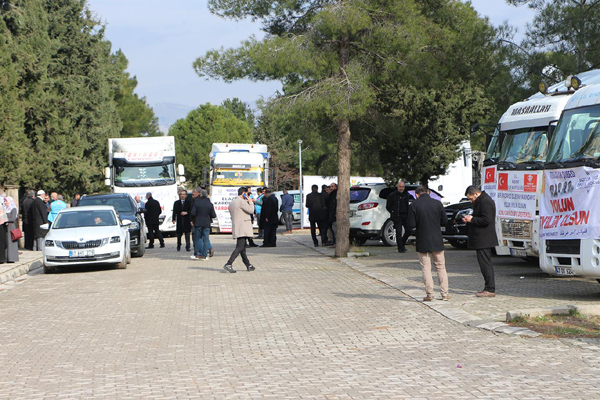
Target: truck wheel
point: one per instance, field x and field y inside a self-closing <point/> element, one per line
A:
<point x="458" y="243"/>
<point x="388" y="233"/>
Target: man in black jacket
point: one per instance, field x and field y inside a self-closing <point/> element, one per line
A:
<point x="428" y="216"/>
<point x="482" y="235"/>
<point x="181" y="215"/>
<point x="152" y="216"/>
<point x="39" y="217"/>
<point x="397" y="205"/>
<point x="27" y="218"/>
<point x="317" y="215"/>
<point x="269" y="218"/>
<point x="203" y="212"/>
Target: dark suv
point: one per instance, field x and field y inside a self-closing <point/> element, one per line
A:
<point x="455" y="231"/>
<point x="127" y="209"/>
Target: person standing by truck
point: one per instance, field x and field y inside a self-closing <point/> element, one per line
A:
<point x="152" y="217"/>
<point x="181" y="211"/>
<point x="397" y="205"/>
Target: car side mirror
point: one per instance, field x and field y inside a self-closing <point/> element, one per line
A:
<point x="125" y="222"/>
<point x="45" y="226"/>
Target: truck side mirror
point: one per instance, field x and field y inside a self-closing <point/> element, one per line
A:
<point x="107" y="182"/>
<point x="180" y="169"/>
<point x="182" y="179"/>
<point x="107" y="172"/>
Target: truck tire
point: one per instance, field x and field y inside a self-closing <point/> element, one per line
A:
<point x="388" y="233"/>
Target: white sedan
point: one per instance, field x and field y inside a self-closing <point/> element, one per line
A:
<point x="87" y="235"/>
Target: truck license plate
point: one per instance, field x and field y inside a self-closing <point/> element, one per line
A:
<point x="564" y="271"/>
<point x="81" y="253"/>
<point x="518" y="253"/>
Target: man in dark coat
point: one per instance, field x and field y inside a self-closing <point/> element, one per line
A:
<point x="428" y="216"/>
<point x="181" y="214"/>
<point x="269" y="218"/>
<point x="152" y="217"/>
<point x="27" y="218"/>
<point x="482" y="235"/>
<point x="39" y="217"/>
<point x="397" y="204"/>
<point x="332" y="210"/>
<point x="317" y="215"/>
<point x="202" y="213"/>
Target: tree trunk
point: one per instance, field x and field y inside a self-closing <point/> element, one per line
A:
<point x="342" y="236"/>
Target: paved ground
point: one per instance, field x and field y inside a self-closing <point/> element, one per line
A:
<point x="301" y="326"/>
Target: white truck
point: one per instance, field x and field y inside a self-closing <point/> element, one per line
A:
<point x="146" y="164"/>
<point x="458" y="176"/>
<point x="233" y="165"/>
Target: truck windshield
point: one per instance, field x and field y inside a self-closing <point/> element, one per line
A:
<point x="145" y="175"/>
<point x="577" y="136"/>
<point x="493" y="151"/>
<point x="525" y="145"/>
<point x="238" y="177"/>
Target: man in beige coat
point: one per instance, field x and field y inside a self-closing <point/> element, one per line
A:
<point x="241" y="209"/>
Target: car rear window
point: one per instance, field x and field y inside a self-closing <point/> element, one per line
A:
<point x="359" y="194"/>
<point x="121" y="204"/>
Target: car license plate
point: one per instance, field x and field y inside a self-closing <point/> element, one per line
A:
<point x="443" y="229"/>
<point x="518" y="253"/>
<point x="81" y="253"/>
<point x="564" y="271"/>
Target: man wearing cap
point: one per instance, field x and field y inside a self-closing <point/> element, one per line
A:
<point x="40" y="217"/>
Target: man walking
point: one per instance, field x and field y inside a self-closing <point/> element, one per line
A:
<point x="287" y="205"/>
<point x="397" y="205"/>
<point x="152" y="217"/>
<point x="317" y="215"/>
<point x="40" y="217"/>
<point x="27" y="218"/>
<point x="428" y="216"/>
<point x="482" y="235"/>
<point x="203" y="213"/>
<point x="181" y="214"/>
<point x="269" y="219"/>
<point x="241" y="208"/>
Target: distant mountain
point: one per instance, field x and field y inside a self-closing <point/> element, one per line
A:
<point x="168" y="113"/>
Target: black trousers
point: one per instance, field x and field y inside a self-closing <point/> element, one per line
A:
<point x="270" y="235"/>
<point x="187" y="239"/>
<point x="484" y="258"/>
<point x="398" y="225"/>
<point x="322" y="231"/>
<point x="153" y="230"/>
<point x="240" y="249"/>
<point x="28" y="236"/>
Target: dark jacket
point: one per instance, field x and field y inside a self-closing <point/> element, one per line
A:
<point x="332" y="205"/>
<point x="153" y="211"/>
<point x="482" y="229"/>
<point x="203" y="212"/>
<point x="317" y="207"/>
<point x="287" y="203"/>
<point x="398" y="205"/>
<point x="269" y="210"/>
<point x="26" y="214"/>
<point x="40" y="216"/>
<point x="428" y="216"/>
<point x="183" y="221"/>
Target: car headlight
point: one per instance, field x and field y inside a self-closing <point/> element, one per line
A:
<point x="115" y="239"/>
<point x="104" y="241"/>
<point x="134" y="225"/>
<point x="49" y="243"/>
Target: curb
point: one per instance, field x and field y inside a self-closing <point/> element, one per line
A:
<point x="20" y="270"/>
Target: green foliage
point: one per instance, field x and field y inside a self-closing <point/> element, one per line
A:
<point x="202" y="127"/>
<point x="241" y="110"/>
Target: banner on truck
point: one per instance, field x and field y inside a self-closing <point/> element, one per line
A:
<point x="569" y="208"/>
<point x="516" y="194"/>
<point x="489" y="181"/>
<point x="221" y="196"/>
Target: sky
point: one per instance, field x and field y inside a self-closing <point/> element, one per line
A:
<point x="162" y="39"/>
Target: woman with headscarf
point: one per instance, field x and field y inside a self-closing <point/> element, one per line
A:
<point x="3" y="222"/>
<point x="12" y="248"/>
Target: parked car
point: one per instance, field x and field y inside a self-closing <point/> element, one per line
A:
<point x="455" y="232"/>
<point x="126" y="207"/>
<point x="369" y="218"/>
<point x="295" y="208"/>
<point x="86" y="235"/>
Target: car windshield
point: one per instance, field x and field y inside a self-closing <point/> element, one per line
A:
<point x="359" y="194"/>
<point x="525" y="145"/>
<point x="84" y="218"/>
<point x="122" y="204"/>
<point x="144" y="175"/>
<point x="577" y="135"/>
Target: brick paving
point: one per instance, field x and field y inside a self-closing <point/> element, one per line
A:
<point x="302" y="326"/>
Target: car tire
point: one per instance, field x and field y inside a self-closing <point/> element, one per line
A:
<point x="49" y="270"/>
<point x="123" y="263"/>
<point x="388" y="233"/>
<point x="140" y="251"/>
<point x="129" y="255"/>
<point x="458" y="243"/>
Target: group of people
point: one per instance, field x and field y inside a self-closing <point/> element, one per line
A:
<point x="194" y="216"/>
<point x="428" y="215"/>
<point x="322" y="207"/>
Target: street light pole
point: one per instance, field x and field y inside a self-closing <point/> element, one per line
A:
<point x="301" y="195"/>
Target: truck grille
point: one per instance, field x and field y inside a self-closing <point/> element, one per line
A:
<point x="516" y="229"/>
<point x="90" y="244"/>
<point x="563" y="246"/>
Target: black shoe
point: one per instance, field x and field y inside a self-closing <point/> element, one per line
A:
<point x="265" y="245"/>
<point x="178" y="247"/>
<point x="250" y="268"/>
<point x="187" y="249"/>
<point x="162" y="245"/>
<point x="229" y="268"/>
<point x="316" y="244"/>
<point x="150" y="247"/>
<point x="252" y="245"/>
<point x="402" y="250"/>
<point x="211" y="252"/>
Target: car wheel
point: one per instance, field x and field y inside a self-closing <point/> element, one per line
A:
<point x="128" y="255"/>
<point x="123" y="263"/>
<point x="388" y="233"/>
<point x="140" y="251"/>
<point x="49" y="270"/>
<point x="458" y="243"/>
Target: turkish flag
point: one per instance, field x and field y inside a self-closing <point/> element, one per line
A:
<point x="502" y="181"/>
<point x="489" y="175"/>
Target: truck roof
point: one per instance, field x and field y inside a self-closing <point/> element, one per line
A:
<point x="238" y="147"/>
<point x="586" y="96"/>
<point x="533" y="112"/>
